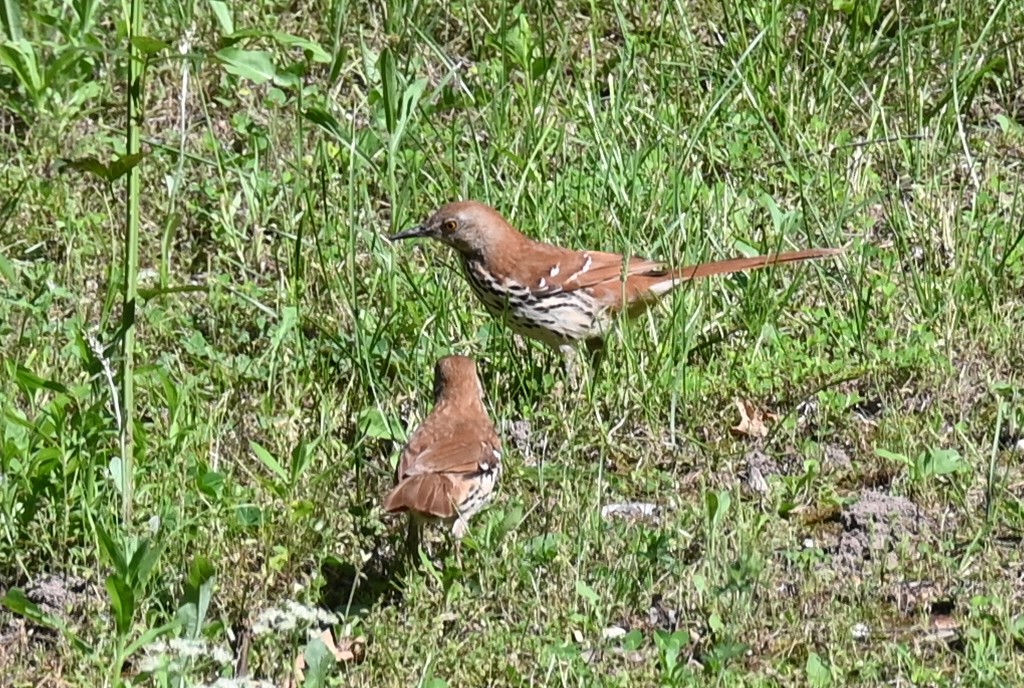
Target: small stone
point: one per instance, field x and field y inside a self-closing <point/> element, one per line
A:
<point x="613" y="632"/>
<point x="630" y="510"/>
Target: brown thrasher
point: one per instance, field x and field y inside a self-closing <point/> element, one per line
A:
<point x="452" y="462"/>
<point x="557" y="295"/>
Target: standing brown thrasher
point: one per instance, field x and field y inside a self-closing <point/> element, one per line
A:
<point x="557" y="295"/>
<point x="451" y="464"/>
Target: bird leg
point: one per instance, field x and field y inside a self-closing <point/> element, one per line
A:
<point x="458" y="553"/>
<point x="568" y="352"/>
<point x="595" y="347"/>
<point x="413" y="538"/>
<point x="459" y="530"/>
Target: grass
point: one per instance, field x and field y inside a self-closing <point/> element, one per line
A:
<point x="283" y="351"/>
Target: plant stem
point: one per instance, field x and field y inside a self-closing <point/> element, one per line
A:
<point x="136" y="69"/>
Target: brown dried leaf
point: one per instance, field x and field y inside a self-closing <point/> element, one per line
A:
<point x="349" y="650"/>
<point x="752" y="420"/>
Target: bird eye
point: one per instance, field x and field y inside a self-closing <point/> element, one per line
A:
<point x="448" y="226"/>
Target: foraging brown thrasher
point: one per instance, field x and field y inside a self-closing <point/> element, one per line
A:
<point x="557" y="295"/>
<point x="451" y="464"/>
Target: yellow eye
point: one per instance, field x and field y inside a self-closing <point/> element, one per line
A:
<point x="448" y="226"/>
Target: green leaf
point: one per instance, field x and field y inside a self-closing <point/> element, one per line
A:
<point x="122" y="599"/>
<point x="148" y="45"/>
<point x="142" y="563"/>
<point x="319" y="661"/>
<point x="255" y="65"/>
<point x="893" y="456"/>
<point x="717" y="504"/>
<point x="202" y="576"/>
<point x="89" y="165"/>
<point x="544" y="548"/>
<point x="1017" y="627"/>
<point x="187" y="617"/>
<point x="312" y="49"/>
<point x="539" y="66"/>
<point x="249" y="515"/>
<point x="513" y="517"/>
<point x="943" y="462"/>
<point x="1009" y="126"/>
<point x="329" y="123"/>
<point x="302" y="454"/>
<point x="269" y="460"/>
<point x="818" y="673"/>
<point x="633" y="640"/>
<point x="222" y="12"/>
<point x="211" y="483"/>
<point x="316" y="53"/>
<point x="669" y="645"/>
<point x="20" y="57"/>
<point x="155" y="292"/>
<point x="287" y="78"/>
<point x="32" y="382"/>
<point x="372" y="423"/>
<point x="113" y="551"/>
<point x="7" y="270"/>
<point x="587" y="593"/>
<point x="124" y="165"/>
<point x="671" y="639"/>
<point x="724" y="653"/>
<point x="17" y="602"/>
<point x="116" y="470"/>
<point x="410" y="97"/>
<point x="108" y="173"/>
<point x="289" y="317"/>
<point x="149" y="636"/>
<point x="778" y="217"/>
<point x="10" y="19"/>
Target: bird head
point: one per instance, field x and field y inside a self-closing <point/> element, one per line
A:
<point x="469" y="227"/>
<point x="455" y="378"/>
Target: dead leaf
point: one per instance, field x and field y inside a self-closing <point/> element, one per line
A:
<point x="945" y="622"/>
<point x="752" y="420"/>
<point x="349" y="650"/>
<point x="756" y="481"/>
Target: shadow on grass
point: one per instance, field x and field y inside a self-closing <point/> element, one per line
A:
<point x="354" y="589"/>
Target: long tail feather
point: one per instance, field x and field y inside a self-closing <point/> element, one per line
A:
<point x="724" y="267"/>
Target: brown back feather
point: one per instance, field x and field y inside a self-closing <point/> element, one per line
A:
<point x="449" y="444"/>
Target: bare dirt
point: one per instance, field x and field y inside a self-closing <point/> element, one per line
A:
<point x="873" y="528"/>
<point x="33" y="647"/>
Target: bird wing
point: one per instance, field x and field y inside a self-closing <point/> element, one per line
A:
<point x="603" y="268"/>
<point x="554" y="269"/>
<point x="452" y="446"/>
<point x="431" y="494"/>
<point x="435" y="463"/>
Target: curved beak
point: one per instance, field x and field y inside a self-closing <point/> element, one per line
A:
<point x="417" y="231"/>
